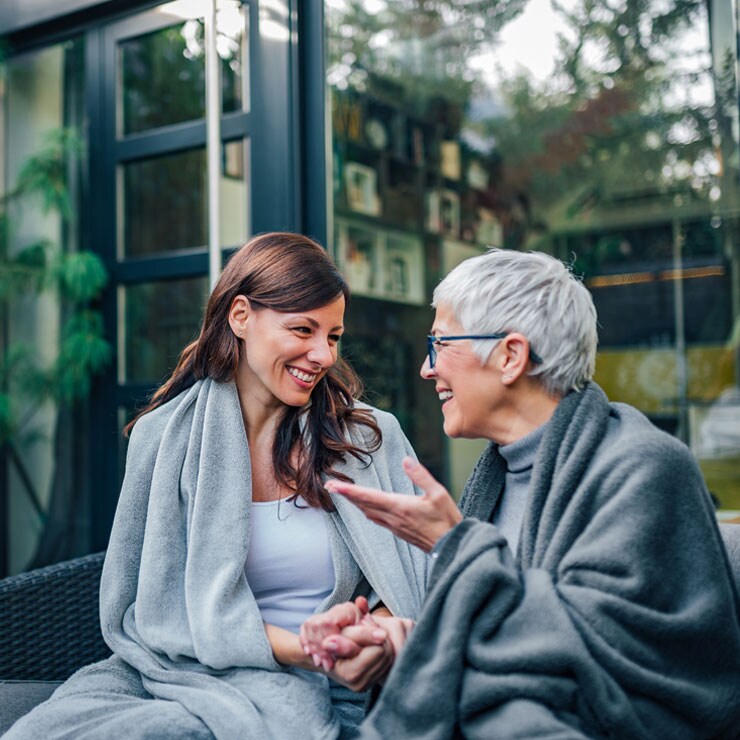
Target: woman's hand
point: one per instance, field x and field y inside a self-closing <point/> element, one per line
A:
<point x="315" y="630"/>
<point x="349" y="643"/>
<point x="420" y="520"/>
<point x="368" y="665"/>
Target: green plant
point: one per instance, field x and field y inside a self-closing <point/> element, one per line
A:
<point x="75" y="278"/>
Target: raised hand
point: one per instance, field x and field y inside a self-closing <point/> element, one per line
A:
<point x="420" y="520"/>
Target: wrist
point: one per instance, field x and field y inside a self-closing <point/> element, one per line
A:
<point x="287" y="649"/>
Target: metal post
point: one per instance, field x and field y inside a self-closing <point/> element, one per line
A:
<point x="682" y="375"/>
<point x="213" y="144"/>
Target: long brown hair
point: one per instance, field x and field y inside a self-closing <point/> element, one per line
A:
<point x="289" y="273"/>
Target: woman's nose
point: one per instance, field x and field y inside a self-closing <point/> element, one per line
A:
<point x="322" y="354"/>
<point x="426" y="371"/>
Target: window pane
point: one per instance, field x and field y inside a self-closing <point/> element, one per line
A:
<point x="162" y="78"/>
<point x="164" y="204"/>
<point x="165" y="201"/>
<point x="234" y="194"/>
<point x="159" y="319"/>
<point x="43" y="511"/>
<point x="163" y="73"/>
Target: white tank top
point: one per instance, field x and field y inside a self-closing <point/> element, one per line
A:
<point x="289" y="566"/>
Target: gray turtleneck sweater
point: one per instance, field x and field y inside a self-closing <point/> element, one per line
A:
<point x="519" y="457"/>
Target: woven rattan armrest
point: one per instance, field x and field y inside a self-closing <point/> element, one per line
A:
<point x="49" y="622"/>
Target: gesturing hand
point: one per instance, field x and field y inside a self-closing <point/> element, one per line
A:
<point x="420" y="520"/>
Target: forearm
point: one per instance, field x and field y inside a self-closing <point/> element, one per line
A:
<point x="287" y="649"/>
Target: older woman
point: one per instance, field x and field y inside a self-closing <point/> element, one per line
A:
<point x="584" y="589"/>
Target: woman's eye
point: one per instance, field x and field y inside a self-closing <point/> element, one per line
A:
<point x="302" y="329"/>
<point x="335" y="337"/>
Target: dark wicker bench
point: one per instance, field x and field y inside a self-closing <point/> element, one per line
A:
<point x="49" y="627"/>
<point x="49" y="621"/>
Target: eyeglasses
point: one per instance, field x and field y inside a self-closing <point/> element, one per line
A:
<point x="433" y="341"/>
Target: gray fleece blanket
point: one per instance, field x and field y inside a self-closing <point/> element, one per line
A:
<point x="617" y="618"/>
<point x="191" y="658"/>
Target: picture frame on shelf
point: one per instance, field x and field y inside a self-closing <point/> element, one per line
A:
<point x="488" y="229"/>
<point x="477" y="175"/>
<point x="379" y="263"/>
<point x="361" y="183"/>
<point x="450" y="160"/>
<point x="443" y="212"/>
<point x="359" y="258"/>
<point x="404" y="268"/>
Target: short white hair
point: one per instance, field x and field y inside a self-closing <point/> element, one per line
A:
<point x="533" y="294"/>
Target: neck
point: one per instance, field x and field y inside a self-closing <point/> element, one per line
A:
<point x="260" y="418"/>
<point x="530" y="407"/>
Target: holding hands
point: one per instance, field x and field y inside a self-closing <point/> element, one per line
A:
<point x="353" y="646"/>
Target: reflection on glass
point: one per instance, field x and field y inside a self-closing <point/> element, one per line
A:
<point x="163" y="72"/>
<point x="159" y="319"/>
<point x="165" y="201"/>
<point x="164" y="204"/>
<point x="41" y="96"/>
<point x="234" y="193"/>
<point x="162" y="79"/>
<point x="603" y="133"/>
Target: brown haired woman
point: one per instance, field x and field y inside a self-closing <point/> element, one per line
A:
<point x="225" y="539"/>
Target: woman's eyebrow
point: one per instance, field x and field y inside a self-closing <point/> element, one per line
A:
<point x="315" y="324"/>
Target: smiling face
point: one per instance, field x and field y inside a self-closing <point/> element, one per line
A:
<point x="286" y="354"/>
<point x="470" y="391"/>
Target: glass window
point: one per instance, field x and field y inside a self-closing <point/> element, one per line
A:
<point x="602" y="133"/>
<point x="162" y="73"/>
<point x="43" y="515"/>
<point x="157" y="320"/>
<point x="165" y="201"/>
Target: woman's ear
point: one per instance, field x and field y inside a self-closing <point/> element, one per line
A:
<point x="514" y="356"/>
<point x="239" y="315"/>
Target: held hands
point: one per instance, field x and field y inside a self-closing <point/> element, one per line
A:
<point x="352" y="646"/>
<point x="420" y="520"/>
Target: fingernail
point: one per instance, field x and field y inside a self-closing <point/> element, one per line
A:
<point x="326" y="665"/>
<point x="379" y="635"/>
<point x="331" y="644"/>
<point x="316" y="660"/>
<point x="306" y="650"/>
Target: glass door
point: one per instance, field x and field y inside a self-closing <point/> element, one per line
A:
<point x="154" y="205"/>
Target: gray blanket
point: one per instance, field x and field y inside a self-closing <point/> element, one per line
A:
<point x="191" y="658"/>
<point x="617" y="617"/>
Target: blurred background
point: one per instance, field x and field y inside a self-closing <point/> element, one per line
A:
<point x="142" y="142"/>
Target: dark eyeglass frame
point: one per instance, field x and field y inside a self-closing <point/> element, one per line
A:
<point x="432" y="351"/>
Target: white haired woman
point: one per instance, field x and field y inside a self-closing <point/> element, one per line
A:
<point x="582" y="589"/>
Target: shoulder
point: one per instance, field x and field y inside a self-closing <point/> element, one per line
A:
<point x="151" y="426"/>
<point x="633" y="445"/>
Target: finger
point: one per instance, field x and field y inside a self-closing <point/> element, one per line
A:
<point x="422" y="477"/>
<point x="365" y="634"/>
<point x="339" y="646"/>
<point x="362" y="605"/>
<point x="361" y="494"/>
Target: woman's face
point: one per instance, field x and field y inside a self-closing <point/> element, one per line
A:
<point x="286" y="354"/>
<point x="469" y="390"/>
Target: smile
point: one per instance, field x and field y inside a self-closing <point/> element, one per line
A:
<point x="445" y="395"/>
<point x="301" y="375"/>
